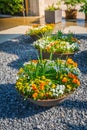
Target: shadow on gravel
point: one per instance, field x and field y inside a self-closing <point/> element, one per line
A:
<point x="81" y="59"/>
<point x="12" y="104"/>
<point x="77" y="104"/>
<point x="21" y="50"/>
<point x="75" y="127"/>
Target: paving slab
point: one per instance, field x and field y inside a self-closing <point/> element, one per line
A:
<point x="76" y="30"/>
<point x="11" y="33"/>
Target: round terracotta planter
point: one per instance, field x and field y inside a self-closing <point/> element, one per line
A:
<point x="71" y="14"/>
<point x="49" y="102"/>
<point x="46" y="55"/>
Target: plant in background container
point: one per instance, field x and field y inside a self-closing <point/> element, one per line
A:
<point x="83" y="8"/>
<point x="40" y="31"/>
<point x="53" y="13"/>
<point x="47" y="82"/>
<point x="71" y="11"/>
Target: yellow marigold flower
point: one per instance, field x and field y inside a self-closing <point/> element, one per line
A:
<point x="69" y="87"/>
<point x="42" y="94"/>
<point x="43" y="77"/>
<point x="27" y="87"/>
<point x="53" y="85"/>
<point x="20" y="88"/>
<point x="50" y="93"/>
<point x="18" y="83"/>
<point x="20" y="71"/>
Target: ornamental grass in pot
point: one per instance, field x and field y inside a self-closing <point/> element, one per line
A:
<point x="47" y="82"/>
<point x="71" y="11"/>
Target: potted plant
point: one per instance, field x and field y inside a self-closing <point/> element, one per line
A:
<point x="83" y="8"/>
<point x="37" y="32"/>
<point x="71" y="11"/>
<point x="59" y="45"/>
<point x="48" y="82"/>
<point x="53" y="13"/>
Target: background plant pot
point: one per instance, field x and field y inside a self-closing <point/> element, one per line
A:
<point x="53" y="16"/>
<point x="85" y="17"/>
<point x="71" y="14"/>
<point x="49" y="102"/>
<point x="56" y="55"/>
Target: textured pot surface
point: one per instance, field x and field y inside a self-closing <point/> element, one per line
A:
<point x="49" y="102"/>
<point x="53" y="16"/>
<point x="56" y="55"/>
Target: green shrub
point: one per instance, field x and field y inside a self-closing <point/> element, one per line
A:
<point x="11" y="6"/>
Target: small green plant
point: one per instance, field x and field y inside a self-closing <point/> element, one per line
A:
<point x="54" y="7"/>
<point x="71" y="4"/>
<point x="11" y="6"/>
<point x="83" y="7"/>
<point x="51" y="7"/>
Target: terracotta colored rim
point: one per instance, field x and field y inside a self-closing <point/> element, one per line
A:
<point x="49" y="102"/>
<point x="56" y="55"/>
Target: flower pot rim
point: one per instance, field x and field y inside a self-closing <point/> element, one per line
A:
<point x="50" y="102"/>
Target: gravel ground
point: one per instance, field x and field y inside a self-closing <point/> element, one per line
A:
<point x="17" y="114"/>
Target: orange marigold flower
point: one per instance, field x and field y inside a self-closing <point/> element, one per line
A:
<point x="35" y="95"/>
<point x="48" y="48"/>
<point x="35" y="61"/>
<point x="64" y="80"/>
<point x="69" y="61"/>
<point x="34" y="87"/>
<point x="75" y="64"/>
<point x="76" y="81"/>
<point x="72" y="75"/>
<point x="42" y="85"/>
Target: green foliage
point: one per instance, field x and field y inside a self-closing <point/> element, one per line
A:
<point x="71" y="4"/>
<point x="48" y="79"/>
<point x="11" y="6"/>
<point x="83" y="7"/>
<point x="53" y="7"/>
